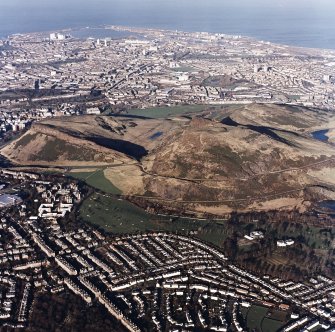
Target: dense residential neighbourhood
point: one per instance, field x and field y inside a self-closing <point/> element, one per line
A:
<point x="56" y="74"/>
<point x="152" y="281"/>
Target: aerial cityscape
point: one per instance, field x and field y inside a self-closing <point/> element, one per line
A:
<point x="162" y="180"/>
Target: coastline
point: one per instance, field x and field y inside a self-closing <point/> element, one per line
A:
<point x="142" y="29"/>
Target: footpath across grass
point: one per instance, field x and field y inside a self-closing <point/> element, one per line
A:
<point x="255" y="316"/>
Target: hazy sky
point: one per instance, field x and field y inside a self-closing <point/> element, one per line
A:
<point x="249" y="3"/>
<point x="133" y="5"/>
<point x="274" y="19"/>
<point x="14" y="7"/>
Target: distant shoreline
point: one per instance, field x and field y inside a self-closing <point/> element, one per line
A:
<point x="139" y="30"/>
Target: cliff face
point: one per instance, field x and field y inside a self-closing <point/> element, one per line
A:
<point x="45" y="145"/>
<point x="60" y="135"/>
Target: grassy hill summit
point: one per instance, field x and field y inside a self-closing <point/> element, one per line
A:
<point x="213" y="160"/>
